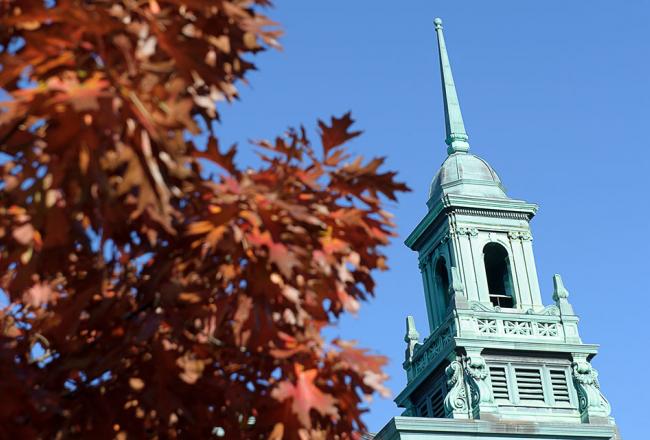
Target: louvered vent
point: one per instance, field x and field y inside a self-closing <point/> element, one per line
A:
<point x="437" y="404"/>
<point x="499" y="383"/>
<point x="529" y="384"/>
<point x="560" y="386"/>
<point x="423" y="410"/>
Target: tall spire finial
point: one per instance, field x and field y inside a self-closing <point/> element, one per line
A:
<point x="457" y="139"/>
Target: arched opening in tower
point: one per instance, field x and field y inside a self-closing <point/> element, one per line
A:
<point x="497" y="270"/>
<point x="442" y="281"/>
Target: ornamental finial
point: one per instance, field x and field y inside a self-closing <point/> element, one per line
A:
<point x="559" y="291"/>
<point x="457" y="139"/>
<point x="411" y="338"/>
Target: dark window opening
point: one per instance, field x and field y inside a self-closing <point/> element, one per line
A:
<point x="442" y="281"/>
<point x="497" y="269"/>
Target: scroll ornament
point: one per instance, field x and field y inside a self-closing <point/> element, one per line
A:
<point x="456" y="399"/>
<point x="591" y="399"/>
<point x="477" y="373"/>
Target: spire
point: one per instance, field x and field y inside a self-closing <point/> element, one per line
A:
<point x="456" y="135"/>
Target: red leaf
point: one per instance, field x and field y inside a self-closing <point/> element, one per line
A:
<point x="306" y="396"/>
<point x="224" y="160"/>
<point x="336" y="134"/>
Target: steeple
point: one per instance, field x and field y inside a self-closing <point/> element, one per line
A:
<point x="497" y="361"/>
<point x="457" y="139"/>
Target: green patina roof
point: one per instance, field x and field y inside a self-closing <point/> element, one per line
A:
<point x="461" y="173"/>
<point x="456" y="135"/>
<point x="464" y="173"/>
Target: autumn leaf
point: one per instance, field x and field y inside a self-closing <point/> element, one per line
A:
<point x="224" y="160"/>
<point x="337" y="133"/>
<point x="368" y="366"/>
<point x="175" y="291"/>
<point x="305" y="396"/>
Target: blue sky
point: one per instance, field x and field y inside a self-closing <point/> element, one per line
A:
<point x="555" y="95"/>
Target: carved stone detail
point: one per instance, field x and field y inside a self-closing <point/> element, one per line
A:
<point x="424" y="262"/>
<point x="540" y="324"/>
<point x="457" y="286"/>
<point x="559" y="291"/>
<point x="546" y="328"/>
<point x="481" y="307"/>
<point x="481" y="392"/>
<point x="411" y="338"/>
<point x="470" y="232"/>
<point x="550" y="311"/>
<point x="425" y="353"/>
<point x="520" y="235"/>
<point x="561" y="296"/>
<point x="456" y="402"/>
<point x="517" y="328"/>
<point x="494" y="214"/>
<point x="592" y="402"/>
<point x="487" y="326"/>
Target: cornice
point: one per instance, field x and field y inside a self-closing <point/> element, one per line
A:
<point x="450" y="428"/>
<point x="471" y="206"/>
<point x="528" y="345"/>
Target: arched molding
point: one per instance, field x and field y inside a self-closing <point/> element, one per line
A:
<point x="495" y="237"/>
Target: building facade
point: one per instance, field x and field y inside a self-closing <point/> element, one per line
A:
<point x="498" y="363"/>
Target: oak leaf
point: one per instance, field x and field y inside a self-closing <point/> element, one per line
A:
<point x="337" y="133"/>
<point x="305" y="396"/>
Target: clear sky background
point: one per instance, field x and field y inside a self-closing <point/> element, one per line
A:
<point x="555" y="95"/>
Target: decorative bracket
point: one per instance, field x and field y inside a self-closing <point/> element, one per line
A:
<point x="592" y="402"/>
<point x="476" y="371"/>
<point x="456" y="403"/>
<point x="470" y="394"/>
<point x="520" y="235"/>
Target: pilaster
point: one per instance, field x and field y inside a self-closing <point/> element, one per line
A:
<point x="521" y="274"/>
<point x="424" y="265"/>
<point x="463" y="239"/>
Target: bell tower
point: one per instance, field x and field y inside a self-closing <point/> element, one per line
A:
<point x="497" y="361"/>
